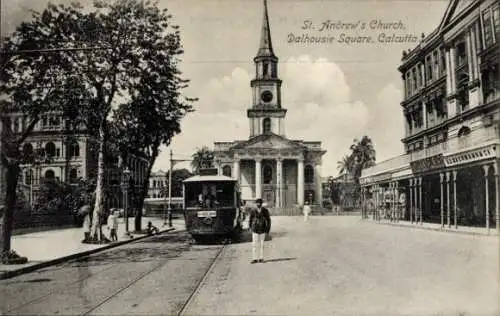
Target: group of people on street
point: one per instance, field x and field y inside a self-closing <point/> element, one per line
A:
<point x="112" y="225"/>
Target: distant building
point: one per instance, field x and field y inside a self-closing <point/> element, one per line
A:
<point x="158" y="182"/>
<point x="67" y="156"/>
<point x="449" y="171"/>
<point x="268" y="165"/>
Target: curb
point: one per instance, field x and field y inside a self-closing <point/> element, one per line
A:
<point x="442" y="230"/>
<point x="48" y="263"/>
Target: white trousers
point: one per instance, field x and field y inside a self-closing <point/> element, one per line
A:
<point x="258" y="241"/>
<point x="306" y="216"/>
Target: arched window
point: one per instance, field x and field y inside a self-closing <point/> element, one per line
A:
<point x="265" y="69"/>
<point x="268" y="174"/>
<point x="28" y="150"/>
<point x="73" y="175"/>
<point x="309" y="174"/>
<point x="463" y="131"/>
<point x="226" y="171"/>
<point x="49" y="174"/>
<point x="74" y="149"/>
<point x="266" y="125"/>
<point x="50" y="149"/>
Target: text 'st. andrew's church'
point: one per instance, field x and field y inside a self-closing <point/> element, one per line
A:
<point x="268" y="165"/>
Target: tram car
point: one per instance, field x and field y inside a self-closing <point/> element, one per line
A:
<point x="212" y="206"/>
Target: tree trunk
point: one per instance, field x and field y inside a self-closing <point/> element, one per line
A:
<point x="142" y="196"/>
<point x="95" y="232"/>
<point x="10" y="204"/>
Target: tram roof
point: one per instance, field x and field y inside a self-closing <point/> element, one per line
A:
<point x="199" y="178"/>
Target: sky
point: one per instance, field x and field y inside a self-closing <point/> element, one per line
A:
<point x="334" y="92"/>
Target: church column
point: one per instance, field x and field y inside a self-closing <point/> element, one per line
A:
<point x="236" y="169"/>
<point x="258" y="178"/>
<point x="317" y="180"/>
<point x="300" y="182"/>
<point x="279" y="181"/>
<point x="487" y="193"/>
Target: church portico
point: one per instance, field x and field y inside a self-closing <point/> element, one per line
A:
<point x="282" y="179"/>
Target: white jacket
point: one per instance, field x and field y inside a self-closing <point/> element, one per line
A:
<point x="112" y="222"/>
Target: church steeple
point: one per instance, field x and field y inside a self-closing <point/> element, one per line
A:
<point x="266" y="45"/>
<point x="266" y="115"/>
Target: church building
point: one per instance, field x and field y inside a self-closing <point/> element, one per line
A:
<point x="281" y="171"/>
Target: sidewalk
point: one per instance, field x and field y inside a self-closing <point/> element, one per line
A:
<point x="51" y="247"/>
<point x="437" y="227"/>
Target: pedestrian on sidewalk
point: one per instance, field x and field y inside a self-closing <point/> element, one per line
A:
<point x="306" y="209"/>
<point x="260" y="224"/>
<point x="87" y="222"/>
<point x="113" y="225"/>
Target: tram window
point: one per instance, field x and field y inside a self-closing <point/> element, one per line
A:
<point x="225" y="194"/>
<point x="211" y="195"/>
<point x="191" y="194"/>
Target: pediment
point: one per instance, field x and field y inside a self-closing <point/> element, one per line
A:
<point x="269" y="141"/>
<point x="455" y="7"/>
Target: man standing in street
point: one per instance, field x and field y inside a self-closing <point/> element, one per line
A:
<point x="260" y="224"/>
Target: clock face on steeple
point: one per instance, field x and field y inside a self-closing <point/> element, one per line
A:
<point x="266" y="96"/>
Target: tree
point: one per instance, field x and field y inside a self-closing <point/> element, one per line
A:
<point x="363" y="155"/>
<point x="345" y="166"/>
<point x="131" y="61"/>
<point x="202" y="158"/>
<point x="178" y="176"/>
<point x="35" y="81"/>
<point x="151" y="118"/>
<point x="137" y="73"/>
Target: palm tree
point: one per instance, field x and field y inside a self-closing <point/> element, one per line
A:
<point x="345" y="165"/>
<point x="202" y="158"/>
<point x="363" y="155"/>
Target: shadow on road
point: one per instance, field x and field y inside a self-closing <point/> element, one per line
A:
<point x="246" y="237"/>
<point x="157" y="248"/>
<point x="280" y="259"/>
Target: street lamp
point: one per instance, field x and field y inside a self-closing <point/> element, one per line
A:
<point x="125" y="180"/>
<point x="169" y="209"/>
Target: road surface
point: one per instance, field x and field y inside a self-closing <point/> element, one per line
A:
<point x="332" y="265"/>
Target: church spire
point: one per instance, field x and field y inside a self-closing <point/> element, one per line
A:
<point x="266" y="46"/>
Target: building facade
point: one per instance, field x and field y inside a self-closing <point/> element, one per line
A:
<point x="451" y="107"/>
<point x="158" y="182"/>
<point x="66" y="156"/>
<point x="268" y="165"/>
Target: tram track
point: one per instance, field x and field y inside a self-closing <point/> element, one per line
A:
<point x="189" y="299"/>
<point x="203" y="280"/>
<point x="96" y="305"/>
<point x="61" y="289"/>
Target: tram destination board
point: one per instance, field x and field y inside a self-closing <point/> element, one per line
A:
<point x="207" y="213"/>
